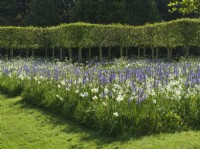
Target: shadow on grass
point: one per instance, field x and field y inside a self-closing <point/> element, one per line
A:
<point x="86" y="134"/>
<point x="5" y="96"/>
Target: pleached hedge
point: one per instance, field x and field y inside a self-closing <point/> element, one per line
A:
<point x="183" y="32"/>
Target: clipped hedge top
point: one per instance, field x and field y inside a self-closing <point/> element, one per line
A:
<point x="183" y="32"/>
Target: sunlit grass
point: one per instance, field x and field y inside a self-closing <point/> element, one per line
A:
<point x="25" y="126"/>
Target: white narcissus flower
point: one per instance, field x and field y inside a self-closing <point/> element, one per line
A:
<point x="85" y="94"/>
<point x="62" y="82"/>
<point x="104" y="104"/>
<point x="178" y="93"/>
<point x="95" y="90"/>
<point x="95" y="97"/>
<point x="120" y="98"/>
<point x="116" y="114"/>
<point x="77" y="91"/>
<point x="105" y="90"/>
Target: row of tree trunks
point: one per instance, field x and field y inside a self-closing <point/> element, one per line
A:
<point x="80" y="53"/>
<point x="154" y="53"/>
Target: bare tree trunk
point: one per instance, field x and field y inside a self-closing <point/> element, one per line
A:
<point x="126" y="52"/>
<point x="46" y="52"/>
<point x="64" y="54"/>
<point x="90" y="54"/>
<point x="7" y="52"/>
<point x="169" y="54"/>
<point x="139" y="51"/>
<point x="53" y="53"/>
<point x="33" y="54"/>
<point x="70" y="53"/>
<point x="157" y="50"/>
<point x="187" y="51"/>
<point x="152" y="53"/>
<point x="144" y="52"/>
<point x="27" y="53"/>
<point x="171" y="50"/>
<point x="80" y="55"/>
<point x="11" y="53"/>
<point x="100" y="53"/>
<point x="109" y="52"/>
<point x="61" y="54"/>
<point x="121" y="51"/>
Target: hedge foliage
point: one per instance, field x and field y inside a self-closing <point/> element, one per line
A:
<point x="183" y="32"/>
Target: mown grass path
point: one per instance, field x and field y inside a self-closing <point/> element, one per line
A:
<point x="23" y="126"/>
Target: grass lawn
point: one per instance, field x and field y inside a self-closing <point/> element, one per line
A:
<point x="23" y="126"/>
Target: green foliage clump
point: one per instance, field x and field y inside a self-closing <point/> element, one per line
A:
<point x="11" y="85"/>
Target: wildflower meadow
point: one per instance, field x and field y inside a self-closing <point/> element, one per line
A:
<point x="118" y="97"/>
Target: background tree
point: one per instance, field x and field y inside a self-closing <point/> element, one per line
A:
<point x="47" y="12"/>
<point x="99" y="11"/>
<point x="54" y="12"/>
<point x="185" y="6"/>
<point x="115" y="11"/>
<point x="12" y="12"/>
<point x="141" y="12"/>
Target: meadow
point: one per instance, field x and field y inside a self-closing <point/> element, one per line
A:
<point x="122" y="97"/>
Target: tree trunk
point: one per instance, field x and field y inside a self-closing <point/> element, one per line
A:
<point x="64" y="54"/>
<point x="7" y="52"/>
<point x="100" y="53"/>
<point x="109" y="52"/>
<point x="90" y="54"/>
<point x="169" y="54"/>
<point x="152" y="53"/>
<point x="80" y="55"/>
<point x="46" y="52"/>
<point x="144" y="52"/>
<point x="61" y="54"/>
<point x="138" y="52"/>
<point x="27" y="53"/>
<point x="126" y="52"/>
<point x="11" y="53"/>
<point x="157" y="50"/>
<point x="53" y="53"/>
<point x="33" y="53"/>
<point x="187" y="51"/>
<point x="121" y="51"/>
<point x="70" y="53"/>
